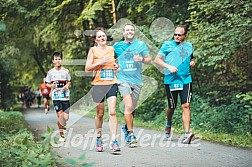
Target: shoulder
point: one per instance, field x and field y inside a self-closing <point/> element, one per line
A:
<point x="51" y="71"/>
<point x="118" y="44"/>
<point x="188" y="43"/>
<point x="64" y="69"/>
<point x="110" y="48"/>
<point x="170" y="42"/>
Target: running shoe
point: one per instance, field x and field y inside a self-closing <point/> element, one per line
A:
<point x="188" y="138"/>
<point x="167" y="131"/>
<point x="46" y="111"/>
<point x="114" y="146"/>
<point x="131" y="140"/>
<point x="62" y="139"/>
<point x="99" y="146"/>
<point x="125" y="131"/>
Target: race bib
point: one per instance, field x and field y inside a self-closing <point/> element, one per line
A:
<point x="45" y="91"/>
<point x="59" y="94"/>
<point x="175" y="87"/>
<point x="130" y="66"/>
<point x="107" y="74"/>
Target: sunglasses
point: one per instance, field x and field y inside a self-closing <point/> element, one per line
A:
<point x="179" y="35"/>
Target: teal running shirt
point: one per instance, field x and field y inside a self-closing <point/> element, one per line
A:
<point x="178" y="55"/>
<point x="130" y="71"/>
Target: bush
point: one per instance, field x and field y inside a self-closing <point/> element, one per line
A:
<point x="17" y="147"/>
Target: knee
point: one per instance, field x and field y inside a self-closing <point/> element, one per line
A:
<point x="112" y="114"/>
<point x="186" y="106"/>
<point x="100" y="115"/>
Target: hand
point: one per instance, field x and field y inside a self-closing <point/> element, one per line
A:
<point x="192" y="63"/>
<point x="53" y="85"/>
<point x="65" y="88"/>
<point x="138" y="58"/>
<point x="103" y="60"/>
<point x="173" y="69"/>
<point x="116" y="67"/>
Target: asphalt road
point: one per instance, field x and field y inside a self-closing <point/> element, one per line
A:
<point x="152" y="149"/>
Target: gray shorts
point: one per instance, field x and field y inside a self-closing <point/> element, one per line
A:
<point x="129" y="88"/>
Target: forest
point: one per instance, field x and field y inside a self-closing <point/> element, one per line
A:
<point x="220" y="31"/>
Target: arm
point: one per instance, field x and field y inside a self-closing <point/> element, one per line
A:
<point x="159" y="60"/>
<point x="90" y="65"/>
<point x="67" y="86"/>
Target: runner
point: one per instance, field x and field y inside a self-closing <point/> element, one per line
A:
<point x="101" y="62"/>
<point x="131" y="55"/>
<point x="176" y="56"/>
<point x="45" y="92"/>
<point x="59" y="80"/>
<point x="38" y="96"/>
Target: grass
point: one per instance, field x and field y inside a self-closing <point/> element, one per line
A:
<point x="241" y="140"/>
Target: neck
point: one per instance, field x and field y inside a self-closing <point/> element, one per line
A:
<point x="58" y="67"/>
<point x="128" y="40"/>
<point x="101" y="47"/>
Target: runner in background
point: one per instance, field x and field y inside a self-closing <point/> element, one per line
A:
<point x="38" y="96"/>
<point x="59" y="80"/>
<point x="45" y="92"/>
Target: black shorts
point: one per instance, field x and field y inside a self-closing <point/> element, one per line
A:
<point x="99" y="92"/>
<point x="63" y="105"/>
<point x="46" y="97"/>
<point x="185" y="95"/>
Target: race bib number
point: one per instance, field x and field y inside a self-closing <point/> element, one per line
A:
<point x="45" y="91"/>
<point x="59" y="94"/>
<point x="130" y="66"/>
<point x="175" y="87"/>
<point x="107" y="74"/>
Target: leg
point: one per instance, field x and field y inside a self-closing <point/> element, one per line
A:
<point x="99" y="118"/>
<point x="112" y="116"/>
<point x="186" y="116"/>
<point x="172" y="97"/>
<point x="60" y="116"/>
<point x="185" y="97"/>
<point x="128" y="111"/>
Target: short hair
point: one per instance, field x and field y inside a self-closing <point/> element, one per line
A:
<point x="57" y="54"/>
<point x="129" y="24"/>
<point x="182" y="26"/>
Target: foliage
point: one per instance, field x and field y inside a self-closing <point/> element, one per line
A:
<point x="18" y="147"/>
<point x="8" y="61"/>
<point x="79" y="162"/>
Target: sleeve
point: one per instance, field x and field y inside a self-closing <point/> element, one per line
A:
<point x="145" y="49"/>
<point x="163" y="51"/>
<point x="48" y="79"/>
<point x="115" y="46"/>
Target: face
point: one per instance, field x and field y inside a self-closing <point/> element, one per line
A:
<point x="57" y="61"/>
<point x="179" y="34"/>
<point x="129" y="32"/>
<point x="101" y="38"/>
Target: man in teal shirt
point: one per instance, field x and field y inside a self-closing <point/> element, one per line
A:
<point x="131" y="55"/>
<point x="176" y="56"/>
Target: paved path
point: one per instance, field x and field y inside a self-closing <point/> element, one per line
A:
<point x="152" y="149"/>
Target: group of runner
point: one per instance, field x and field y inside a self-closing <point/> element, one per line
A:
<point x="119" y="67"/>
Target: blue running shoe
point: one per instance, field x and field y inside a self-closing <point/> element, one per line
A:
<point x="131" y="140"/>
<point x="125" y="131"/>
<point x="99" y="144"/>
<point x="114" y="146"/>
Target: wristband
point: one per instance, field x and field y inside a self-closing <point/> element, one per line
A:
<point x="143" y="59"/>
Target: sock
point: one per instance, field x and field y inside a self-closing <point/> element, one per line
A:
<point x="168" y="124"/>
<point x="185" y="132"/>
<point x="130" y="132"/>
